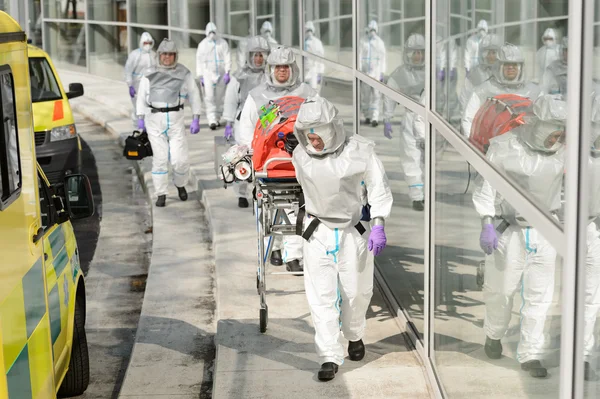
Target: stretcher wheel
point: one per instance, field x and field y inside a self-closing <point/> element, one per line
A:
<point x="264" y="319"/>
<point x="480" y="275"/>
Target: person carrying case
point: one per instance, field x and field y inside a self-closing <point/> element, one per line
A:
<point x="137" y="146"/>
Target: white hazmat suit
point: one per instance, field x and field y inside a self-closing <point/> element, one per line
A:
<point x="338" y="268"/>
<point x="313" y="69"/>
<point x="213" y="65"/>
<point x="243" y="81"/>
<point x="138" y="62"/>
<point x="488" y="51"/>
<point x="272" y="89"/>
<point x="266" y="30"/>
<point x="499" y="84"/>
<point x="472" y="45"/>
<point x="524" y="261"/>
<point x="554" y="80"/>
<point x="373" y="63"/>
<point x="548" y="53"/>
<point x="162" y="93"/>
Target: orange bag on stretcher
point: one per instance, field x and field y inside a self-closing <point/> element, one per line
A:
<point x="497" y="115"/>
<point x="276" y="121"/>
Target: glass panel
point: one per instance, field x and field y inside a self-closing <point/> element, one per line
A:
<point x="157" y="35"/>
<point x="333" y="29"/>
<point x="591" y="328"/>
<point x="239" y="5"/>
<point x="10" y="175"/>
<point x="71" y="9"/>
<point x="191" y="14"/>
<point x="35" y="22"/>
<point x="44" y="86"/>
<point x="149" y="12"/>
<point x="187" y="43"/>
<point x="494" y="314"/>
<point x="107" y="10"/>
<point x="65" y="43"/>
<point x="107" y="53"/>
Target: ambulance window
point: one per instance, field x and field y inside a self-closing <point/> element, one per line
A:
<point x="10" y="164"/>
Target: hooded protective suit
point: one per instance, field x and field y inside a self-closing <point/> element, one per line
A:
<point x="532" y="155"/>
<point x="488" y="51"/>
<point x="266" y="30"/>
<point x="499" y="84"/>
<point x="162" y="93"/>
<point x="592" y="266"/>
<point x="472" y="46"/>
<point x="213" y="63"/>
<point x="271" y="89"/>
<point x="373" y="63"/>
<point x="548" y="53"/>
<point x="243" y="81"/>
<point x="337" y="265"/>
<point x="554" y="79"/>
<point x="138" y="62"/>
<point x="313" y="69"/>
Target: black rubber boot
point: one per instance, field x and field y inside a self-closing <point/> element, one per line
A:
<point x="368" y="121"/>
<point x="276" y="259"/>
<point x="327" y="372"/>
<point x="374" y="123"/>
<point x="294" y="266"/>
<point x="493" y="348"/>
<point x="160" y="202"/>
<point x="589" y="374"/>
<point x="242" y="202"/>
<point x="419" y="206"/>
<point x="182" y="193"/>
<point x="356" y="350"/>
<point x="535" y="368"/>
<point x="213" y="126"/>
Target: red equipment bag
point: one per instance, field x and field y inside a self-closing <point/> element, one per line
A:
<point x="276" y="122"/>
<point x="498" y="115"/>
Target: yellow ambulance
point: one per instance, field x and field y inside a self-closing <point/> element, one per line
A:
<point x="43" y="349"/>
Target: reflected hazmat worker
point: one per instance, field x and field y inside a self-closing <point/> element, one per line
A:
<point x="138" y="62"/>
<point x="335" y="171"/>
<point x="521" y="259"/>
<point x="488" y="55"/>
<point x="554" y="80"/>
<point x="472" y="45"/>
<point x="213" y="64"/>
<point x="266" y="31"/>
<point x="372" y="62"/>
<point x="244" y="80"/>
<point x="282" y="79"/>
<point x="548" y="53"/>
<point x="160" y="111"/>
<point x="313" y="69"/>
<point x="508" y="78"/>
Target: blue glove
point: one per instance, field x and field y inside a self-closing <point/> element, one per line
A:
<point x="131" y="91"/>
<point x="228" y="131"/>
<point x="387" y="130"/>
<point x="202" y="81"/>
<point x="377" y="240"/>
<point x="488" y="240"/>
<point x="319" y="78"/>
<point x="141" y="125"/>
<point x="195" y="126"/>
<point x="381" y="78"/>
<point x="441" y="75"/>
<point x="453" y="74"/>
<point x="226" y="78"/>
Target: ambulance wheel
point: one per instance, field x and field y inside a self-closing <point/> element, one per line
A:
<point x="78" y="375"/>
<point x="264" y="319"/>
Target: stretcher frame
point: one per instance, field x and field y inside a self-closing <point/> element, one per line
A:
<point x="273" y="198"/>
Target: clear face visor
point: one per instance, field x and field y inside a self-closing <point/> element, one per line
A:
<point x="415" y="57"/>
<point x="489" y="56"/>
<point x="257" y="59"/>
<point x="551" y="136"/>
<point x="167" y="59"/>
<point x="282" y="75"/>
<point x="548" y="41"/>
<point x="511" y="71"/>
<point x="319" y="139"/>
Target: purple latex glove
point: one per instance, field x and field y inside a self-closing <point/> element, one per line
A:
<point x="131" y="91"/>
<point x="202" y="81"/>
<point x="488" y="240"/>
<point x="377" y="240"/>
<point x="319" y="79"/>
<point x="195" y="126"/>
<point x="387" y="130"/>
<point x="441" y="75"/>
<point x="226" y="78"/>
<point x="453" y="74"/>
<point x="228" y="132"/>
<point x="141" y="125"/>
<point x="381" y="78"/>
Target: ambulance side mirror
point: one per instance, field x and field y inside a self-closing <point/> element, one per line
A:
<point x="75" y="90"/>
<point x="79" y="197"/>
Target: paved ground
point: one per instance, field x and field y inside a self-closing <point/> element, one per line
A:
<point x="248" y="364"/>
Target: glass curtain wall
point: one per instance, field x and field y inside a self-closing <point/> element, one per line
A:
<point x="466" y="101"/>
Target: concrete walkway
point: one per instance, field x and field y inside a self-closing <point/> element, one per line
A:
<point x="175" y="315"/>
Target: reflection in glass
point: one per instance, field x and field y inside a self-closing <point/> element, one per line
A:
<point x="71" y="9"/>
<point x="107" y="10"/>
<point x="511" y="331"/>
<point x="190" y="14"/>
<point x="149" y="12"/>
<point x="313" y="69"/>
<point x="373" y="63"/>
<point x="107" y="55"/>
<point x="333" y="26"/>
<point x="65" y="43"/>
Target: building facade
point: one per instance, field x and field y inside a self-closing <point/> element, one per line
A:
<point x="434" y="272"/>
